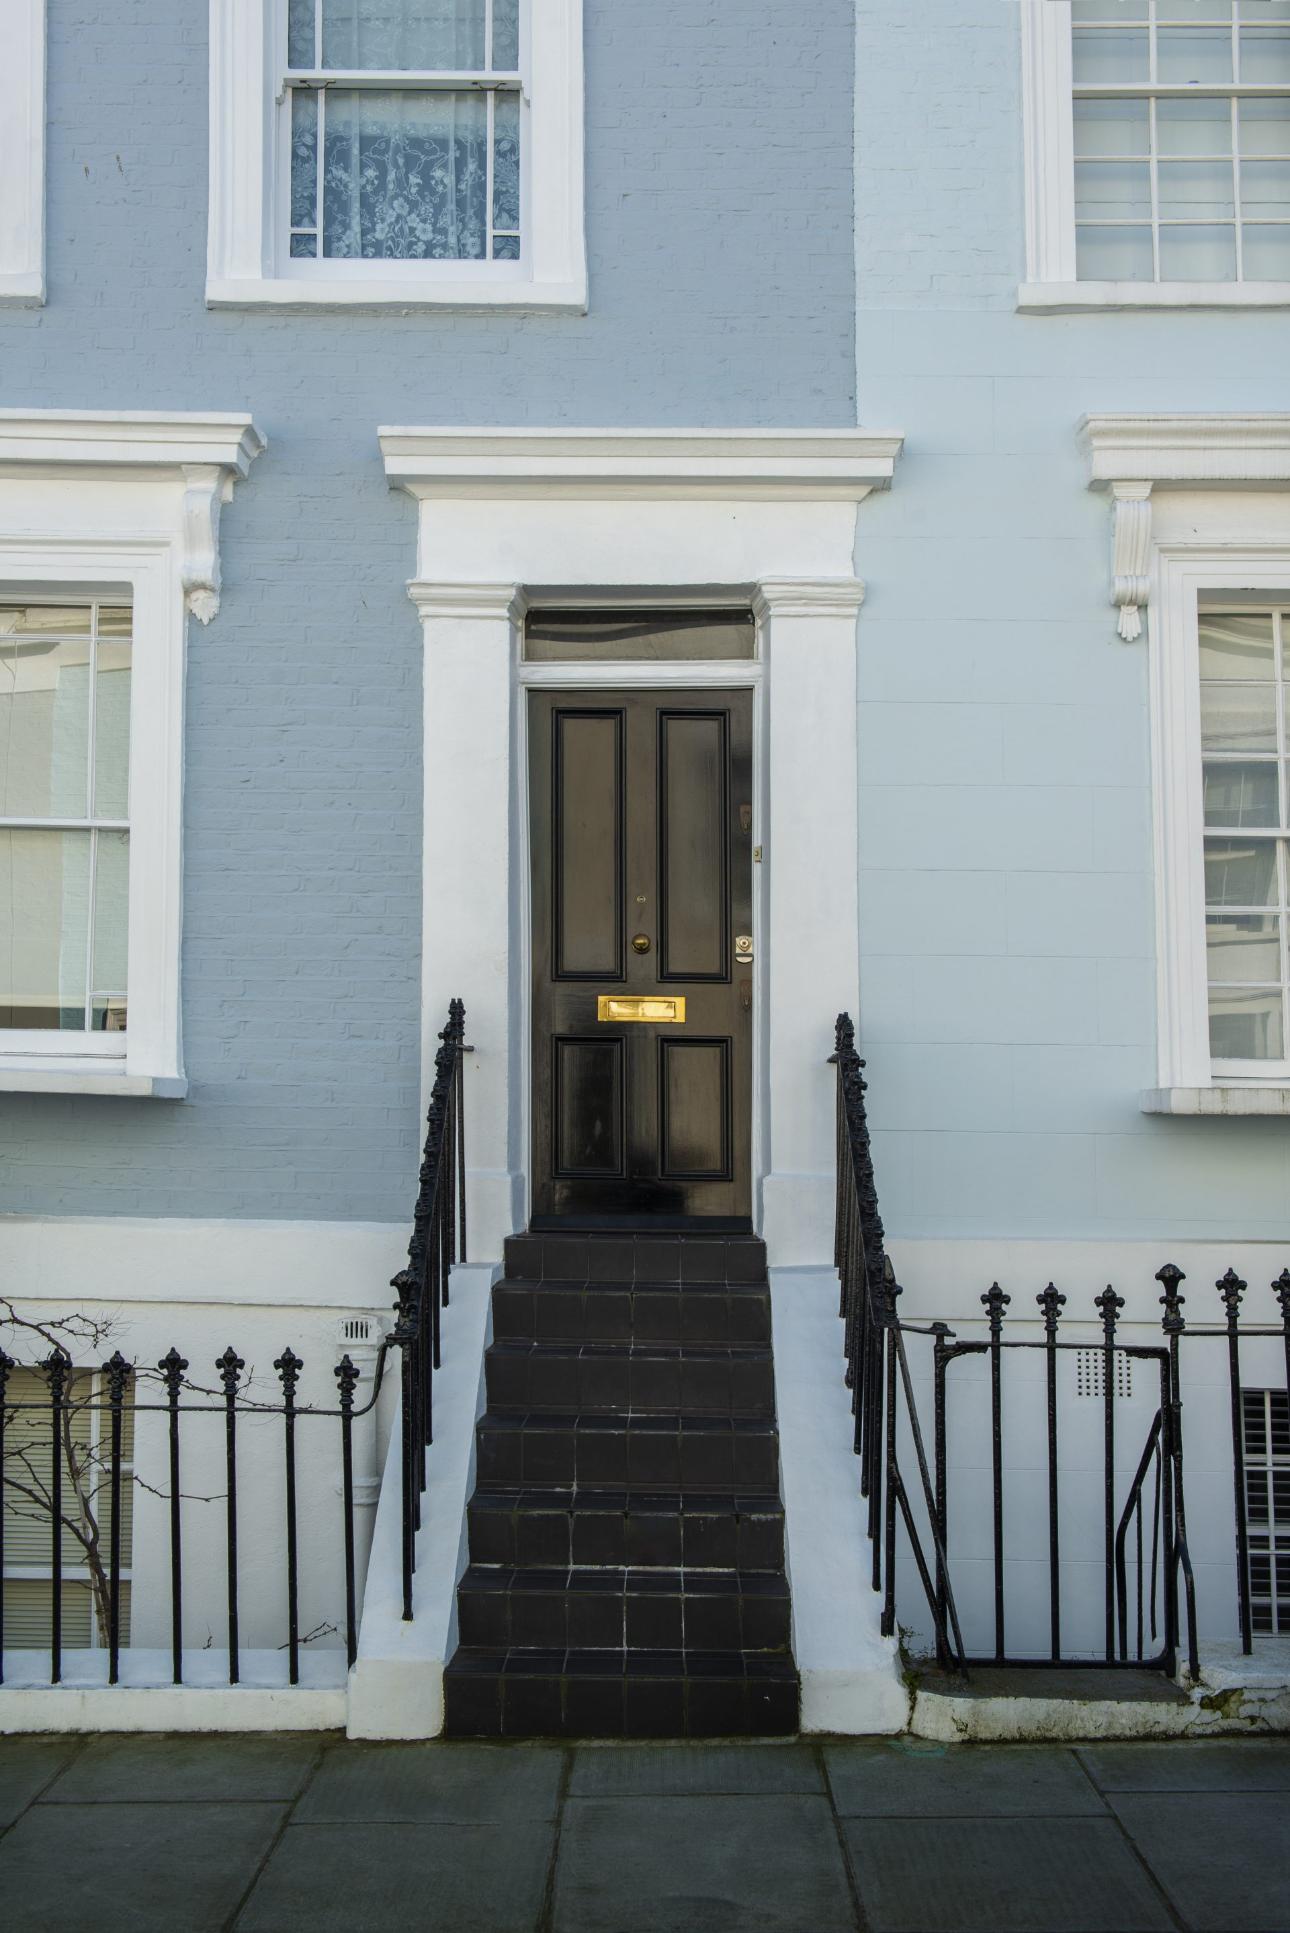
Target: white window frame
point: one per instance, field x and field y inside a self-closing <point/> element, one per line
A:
<point x="248" y="263"/>
<point x="125" y="506"/>
<point x="1051" y="285"/>
<point x="22" y="153"/>
<point x="1201" y="504"/>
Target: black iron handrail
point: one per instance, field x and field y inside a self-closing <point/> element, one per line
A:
<point x="438" y="1242"/>
<point x="877" y="1373"/>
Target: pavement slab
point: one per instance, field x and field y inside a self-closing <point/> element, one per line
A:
<point x="26" y="1767"/>
<point x="752" y="1864"/>
<point x="662" y="1770"/>
<point x="1002" y="1876"/>
<point x="394" y="1878"/>
<point x="912" y="1780"/>
<point x="187" y="1766"/>
<point x="1222" y="1858"/>
<point x="132" y="1868"/>
<point x="1191" y="1765"/>
<point x="458" y="1784"/>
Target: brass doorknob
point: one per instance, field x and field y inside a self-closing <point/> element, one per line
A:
<point x="640" y="942"/>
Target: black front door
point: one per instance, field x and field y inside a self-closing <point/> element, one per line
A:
<point x="641" y="808"/>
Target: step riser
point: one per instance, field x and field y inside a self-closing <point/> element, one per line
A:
<point x="603" y="1385"/>
<point x="595" y="1621"/>
<point x="547" y="1539"/>
<point x="641" y="1258"/>
<point x="548" y="1706"/>
<point x="554" y="1313"/>
<point x="623" y="1458"/>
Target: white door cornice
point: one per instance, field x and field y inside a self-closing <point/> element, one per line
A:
<point x="1249" y="448"/>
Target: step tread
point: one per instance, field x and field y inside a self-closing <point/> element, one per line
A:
<point x="611" y="1580"/>
<point x="587" y="1497"/>
<point x="656" y="1422"/>
<point x="476" y="1661"/>
<point x="618" y="1349"/>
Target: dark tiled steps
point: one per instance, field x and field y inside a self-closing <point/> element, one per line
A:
<point x="616" y="1694"/>
<point x="518" y="1448"/>
<point x="585" y="1377"/>
<point x="556" y="1527"/>
<point x="721" y="1313"/>
<point x="683" y="1259"/>
<point x="608" y="1609"/>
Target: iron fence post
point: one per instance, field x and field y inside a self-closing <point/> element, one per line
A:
<point x="996" y="1302"/>
<point x="1231" y="1288"/>
<point x="118" y="1373"/>
<point x="230" y="1366"/>
<point x="1052" y="1302"/>
<point x="172" y="1367"/>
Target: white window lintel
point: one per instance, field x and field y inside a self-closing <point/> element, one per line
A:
<point x="244" y="248"/>
<point x="22" y="153"/>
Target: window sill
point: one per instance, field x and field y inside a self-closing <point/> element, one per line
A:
<point x="1063" y="298"/>
<point x="77" y="1078"/>
<point x="1224" y="1098"/>
<point x="291" y="296"/>
<point x="22" y="291"/>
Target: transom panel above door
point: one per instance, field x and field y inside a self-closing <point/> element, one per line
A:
<point x="641" y="839"/>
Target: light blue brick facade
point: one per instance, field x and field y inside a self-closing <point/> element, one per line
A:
<point x="719" y="228"/>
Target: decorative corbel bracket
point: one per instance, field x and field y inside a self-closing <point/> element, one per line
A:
<point x="206" y="487"/>
<point x="1130" y="554"/>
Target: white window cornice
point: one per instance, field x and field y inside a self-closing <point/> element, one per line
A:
<point x="245" y="266"/>
<point x="95" y="502"/>
<point x="804" y="465"/>
<point x="22" y="152"/>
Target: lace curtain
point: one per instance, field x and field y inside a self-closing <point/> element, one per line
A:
<point x="403" y="34"/>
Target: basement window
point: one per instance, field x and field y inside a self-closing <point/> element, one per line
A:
<point x="1266" y="1431"/>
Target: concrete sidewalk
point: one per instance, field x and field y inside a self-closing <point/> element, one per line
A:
<point x="273" y="1833"/>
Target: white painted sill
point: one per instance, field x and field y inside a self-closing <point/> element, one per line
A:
<point x="292" y="295"/>
<point x="1063" y="298"/>
<point x="34" y="1077"/>
<point x="26" y="291"/>
<point x="1223" y="1098"/>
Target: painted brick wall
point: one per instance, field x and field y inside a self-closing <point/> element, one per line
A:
<point x="719" y="216"/>
<point x="1007" y="908"/>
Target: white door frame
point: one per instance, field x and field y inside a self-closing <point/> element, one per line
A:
<point x="507" y="517"/>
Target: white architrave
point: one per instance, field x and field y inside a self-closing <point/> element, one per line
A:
<point x="1202" y="504"/>
<point x="1051" y="286"/>
<point x="22" y="152"/>
<point x="247" y="263"/>
<point x="101" y="501"/>
<point x="768" y="516"/>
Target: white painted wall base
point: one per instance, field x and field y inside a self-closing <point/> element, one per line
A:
<point x="145" y="1700"/>
<point x="396" y="1685"/>
<point x="851" y="1676"/>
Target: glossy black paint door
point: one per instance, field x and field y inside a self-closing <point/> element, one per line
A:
<point x="641" y="830"/>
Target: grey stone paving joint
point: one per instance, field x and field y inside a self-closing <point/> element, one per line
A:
<point x="270" y="1834"/>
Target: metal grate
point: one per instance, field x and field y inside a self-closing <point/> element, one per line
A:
<point x="1265" y="1415"/>
<point x="1090" y="1376"/>
<point x="357" y="1329"/>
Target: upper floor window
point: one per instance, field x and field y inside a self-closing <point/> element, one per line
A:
<point x="396" y="153"/>
<point x="22" y="151"/>
<point x="1158" y="152"/>
<point x="403" y="118"/>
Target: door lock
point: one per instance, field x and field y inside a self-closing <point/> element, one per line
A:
<point x="743" y="948"/>
<point x="640" y="942"/>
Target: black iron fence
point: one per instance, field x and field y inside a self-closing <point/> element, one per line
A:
<point x="1131" y="1529"/>
<point x="68" y="1471"/>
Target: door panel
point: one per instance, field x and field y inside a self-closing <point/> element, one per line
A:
<point x="641" y="825"/>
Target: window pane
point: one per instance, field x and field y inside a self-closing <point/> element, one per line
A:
<point x="1109" y="56"/>
<point x="1194" y="127"/>
<point x="1113" y="254"/>
<point x="1265" y="189"/>
<point x="1200" y="188"/>
<point x="403" y="33"/>
<point x="1241" y="795"/>
<point x="304" y="247"/>
<point x="111" y="917"/>
<point x="506" y="161"/>
<point x="1245" y="1026"/>
<point x="1265" y="56"/>
<point x="304" y="157"/>
<point x="1264" y="126"/>
<point x="112" y="730"/>
<point x="1243" y="947"/>
<point x="300" y="33"/>
<point x="45" y="620"/>
<point x="1185" y="56"/>
<point x="1238" y="717"/>
<point x="506" y="33"/>
<point x="1111" y="190"/>
<point x="506" y="248"/>
<point x="1234" y="646"/>
<point x="556" y="636"/>
<point x="1112" y="127"/>
<point x="406" y="176"/>
<point x="44" y="928"/>
<point x="1120" y="10"/>
<point x="1240" y="872"/>
<point x="44" y="724"/>
<point x="1198" y="254"/>
<point x="1267" y="253"/>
